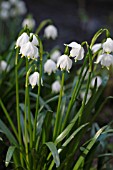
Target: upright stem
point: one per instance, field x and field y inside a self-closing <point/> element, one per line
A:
<point x="17" y="104"/>
<point x="38" y="97"/>
<point x="58" y="116"/>
<point x="74" y="94"/>
<point x="26" y="112"/>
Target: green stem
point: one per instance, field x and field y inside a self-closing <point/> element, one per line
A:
<point x="17" y="104"/>
<point x="37" y="101"/>
<point x="26" y="113"/>
<point x="58" y="116"/>
<point x="9" y="119"/>
<point x="74" y="93"/>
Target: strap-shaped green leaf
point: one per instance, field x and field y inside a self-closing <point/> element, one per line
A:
<point x="9" y="155"/>
<point x="54" y="152"/>
<point x="7" y="132"/>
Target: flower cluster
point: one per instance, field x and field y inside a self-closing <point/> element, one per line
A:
<point x="28" y="45"/>
<point x="106" y="57"/>
<point x="12" y="8"/>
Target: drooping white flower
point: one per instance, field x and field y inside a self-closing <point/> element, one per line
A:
<point x="99" y="81"/>
<point x="30" y="22"/>
<point x="34" y="40"/>
<point x="64" y="62"/>
<point x="29" y="50"/>
<point x="24" y="38"/>
<point x="34" y="79"/>
<point x="55" y="55"/>
<point x="96" y="47"/>
<point x="105" y="60"/>
<point x="50" y="32"/>
<point x="50" y="66"/>
<point x="13" y="2"/>
<point x="77" y="50"/>
<point x="108" y="45"/>
<point x="56" y="86"/>
<point x="4" y="66"/>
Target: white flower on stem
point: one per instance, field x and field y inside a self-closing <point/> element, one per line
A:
<point x="23" y="39"/>
<point x="56" y="86"/>
<point x="99" y="81"/>
<point x="108" y="45"/>
<point x="50" y="32"/>
<point x="55" y="55"/>
<point x="105" y="60"/>
<point x="50" y="66"/>
<point x="96" y="47"/>
<point x="29" y="50"/>
<point x="34" y="79"/>
<point x="77" y="50"/>
<point x="13" y="2"/>
<point x="64" y="62"/>
<point x="4" y="66"/>
<point x="30" y="22"/>
<point x="34" y="40"/>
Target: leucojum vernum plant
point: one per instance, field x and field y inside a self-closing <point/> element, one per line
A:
<point x="51" y="132"/>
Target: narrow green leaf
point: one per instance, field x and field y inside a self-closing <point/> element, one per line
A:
<point x="7" y="132"/>
<point x="54" y="152"/>
<point x="88" y="148"/>
<point x="9" y="155"/>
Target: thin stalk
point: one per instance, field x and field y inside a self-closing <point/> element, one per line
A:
<point x="74" y="94"/>
<point x="17" y="104"/>
<point x="37" y="102"/>
<point x="25" y="118"/>
<point x="9" y="119"/>
<point x="58" y="116"/>
<point x="28" y="103"/>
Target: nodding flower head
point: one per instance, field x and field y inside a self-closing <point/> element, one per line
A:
<point x="50" y="32"/>
<point x="50" y="66"/>
<point x="56" y="86"/>
<point x="24" y="38"/>
<point x="64" y="62"/>
<point x="29" y="50"/>
<point x="108" y="45"/>
<point x="34" y="79"/>
<point x="77" y="51"/>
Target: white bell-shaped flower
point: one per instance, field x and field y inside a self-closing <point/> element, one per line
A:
<point x="29" y="50"/>
<point x="105" y="60"/>
<point x="50" y="32"/>
<point x="99" y="81"/>
<point x="30" y="22"/>
<point x="55" y="55"/>
<point x="50" y="66"/>
<point x="108" y="45"/>
<point x="64" y="62"/>
<point x="77" y="50"/>
<point x="34" y="79"/>
<point x="34" y="40"/>
<point x="96" y="47"/>
<point x="23" y="39"/>
<point x="4" y="66"/>
<point x="56" y="86"/>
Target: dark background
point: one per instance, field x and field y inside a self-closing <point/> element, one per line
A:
<point x="76" y="20"/>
